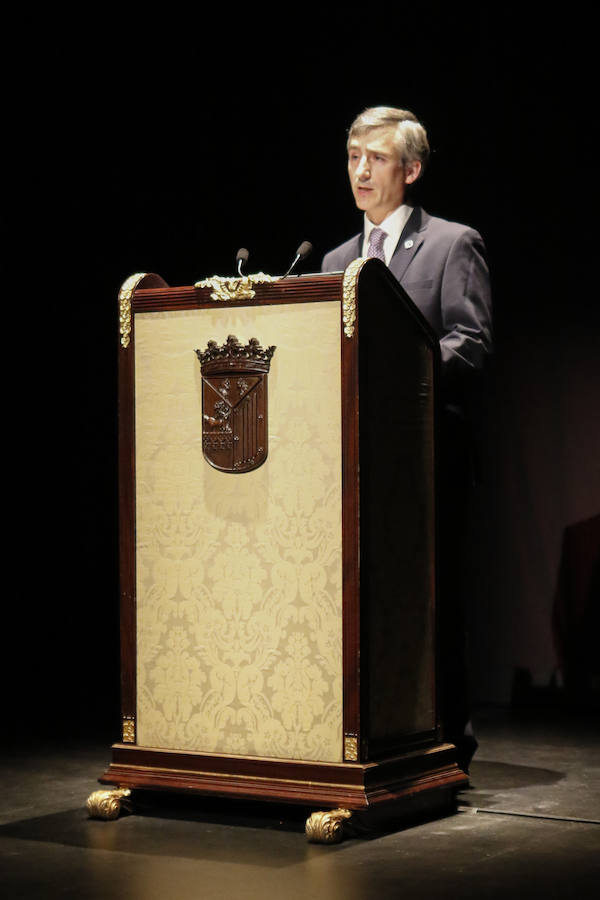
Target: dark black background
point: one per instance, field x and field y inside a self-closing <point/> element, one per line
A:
<point x="163" y="146"/>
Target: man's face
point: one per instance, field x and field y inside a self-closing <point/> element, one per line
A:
<point x="377" y="178"/>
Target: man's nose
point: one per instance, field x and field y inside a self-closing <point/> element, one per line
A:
<point x="362" y="169"/>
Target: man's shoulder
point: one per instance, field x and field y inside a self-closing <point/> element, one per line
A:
<point x="338" y="258"/>
<point x="447" y="228"/>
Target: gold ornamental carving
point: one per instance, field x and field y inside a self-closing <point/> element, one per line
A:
<point x="125" y="295"/>
<point x="128" y="730"/>
<point x="327" y="827"/>
<point x="107" y="804"/>
<point x="241" y="288"/>
<point x="349" y="294"/>
<point x="350" y="748"/>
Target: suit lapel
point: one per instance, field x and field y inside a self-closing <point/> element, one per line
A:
<point x="413" y="234"/>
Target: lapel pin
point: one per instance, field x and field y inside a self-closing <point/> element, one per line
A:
<point x="408" y="244"/>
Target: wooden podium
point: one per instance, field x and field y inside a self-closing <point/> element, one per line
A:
<point x="278" y="517"/>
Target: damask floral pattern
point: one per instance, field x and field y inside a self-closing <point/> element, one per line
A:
<point x="239" y="577"/>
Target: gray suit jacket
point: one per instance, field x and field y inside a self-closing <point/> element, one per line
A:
<point x="442" y="267"/>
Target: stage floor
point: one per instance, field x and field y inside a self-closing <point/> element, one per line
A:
<point x="529" y="825"/>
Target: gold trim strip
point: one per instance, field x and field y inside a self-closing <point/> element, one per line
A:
<point x="207" y="754"/>
<point x="349" y="294"/>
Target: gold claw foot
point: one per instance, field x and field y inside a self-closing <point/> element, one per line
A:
<point x="107" y="804"/>
<point x="327" y="827"/>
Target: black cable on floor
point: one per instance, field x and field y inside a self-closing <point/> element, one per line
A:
<point x="527" y="815"/>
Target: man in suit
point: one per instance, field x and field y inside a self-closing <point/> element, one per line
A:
<point x="442" y="267"/>
<point x="440" y="264"/>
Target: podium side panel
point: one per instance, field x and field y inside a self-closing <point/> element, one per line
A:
<point x="397" y="519"/>
<point x="239" y="575"/>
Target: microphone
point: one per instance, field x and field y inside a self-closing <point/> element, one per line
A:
<point x="301" y="253"/>
<point x="241" y="259"/>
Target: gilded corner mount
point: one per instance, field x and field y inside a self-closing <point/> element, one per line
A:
<point x="349" y="294"/>
<point x="125" y="294"/>
<point x="128" y="730"/>
<point x="350" y="748"/>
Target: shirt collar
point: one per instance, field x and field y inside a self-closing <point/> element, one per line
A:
<point x="393" y="226"/>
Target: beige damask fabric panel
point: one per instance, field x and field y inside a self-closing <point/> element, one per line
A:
<point x="239" y="576"/>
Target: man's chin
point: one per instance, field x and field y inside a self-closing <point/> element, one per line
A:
<point x="363" y="203"/>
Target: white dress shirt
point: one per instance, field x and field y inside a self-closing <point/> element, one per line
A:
<point x="392" y="225"/>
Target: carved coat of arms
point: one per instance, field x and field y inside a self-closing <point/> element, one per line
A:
<point x="234" y="404"/>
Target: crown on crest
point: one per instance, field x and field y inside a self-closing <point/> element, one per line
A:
<point x="233" y="355"/>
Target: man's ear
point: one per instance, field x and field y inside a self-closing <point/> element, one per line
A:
<point x="412" y="170"/>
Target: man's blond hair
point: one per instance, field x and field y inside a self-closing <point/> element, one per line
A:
<point x="410" y="138"/>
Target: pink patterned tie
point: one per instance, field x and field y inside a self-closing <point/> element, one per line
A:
<point x="376" y="239"/>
